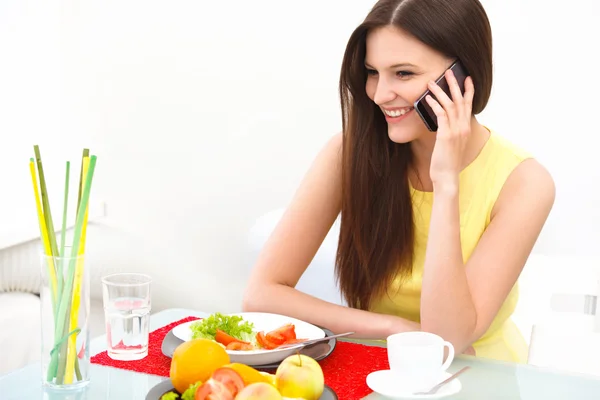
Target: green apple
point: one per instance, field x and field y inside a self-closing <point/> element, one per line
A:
<point x="300" y="376"/>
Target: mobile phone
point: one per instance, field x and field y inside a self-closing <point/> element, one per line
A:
<point x="423" y="108"/>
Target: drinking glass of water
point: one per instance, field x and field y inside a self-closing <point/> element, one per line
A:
<point x="127" y="307"/>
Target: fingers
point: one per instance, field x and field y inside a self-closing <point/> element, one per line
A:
<point x="435" y="106"/>
<point x="469" y="94"/>
<point x="440" y="113"/>
<point x="442" y="97"/>
<point x="460" y="105"/>
<point x="457" y="96"/>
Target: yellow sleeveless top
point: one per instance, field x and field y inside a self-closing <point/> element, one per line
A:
<point x="480" y="185"/>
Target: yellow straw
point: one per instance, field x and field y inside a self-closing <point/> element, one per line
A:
<point x="72" y="351"/>
<point x="44" y="235"/>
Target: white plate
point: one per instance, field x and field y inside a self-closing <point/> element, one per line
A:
<point x="262" y="322"/>
<point x="387" y="384"/>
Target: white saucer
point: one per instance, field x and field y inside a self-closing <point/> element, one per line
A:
<point x="386" y="384"/>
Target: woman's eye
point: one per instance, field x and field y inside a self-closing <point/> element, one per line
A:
<point x="404" y="74"/>
<point x="371" y="71"/>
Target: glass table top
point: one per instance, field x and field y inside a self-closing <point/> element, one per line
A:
<point x="487" y="379"/>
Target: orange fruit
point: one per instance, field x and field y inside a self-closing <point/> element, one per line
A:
<point x="249" y="374"/>
<point x="195" y="361"/>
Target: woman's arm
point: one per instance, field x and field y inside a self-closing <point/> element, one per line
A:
<point x="282" y="299"/>
<point x="292" y="246"/>
<point x="458" y="301"/>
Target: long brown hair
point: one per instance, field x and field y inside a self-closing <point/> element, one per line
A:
<point x="377" y="232"/>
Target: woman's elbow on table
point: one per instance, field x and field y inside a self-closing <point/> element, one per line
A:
<point x="461" y="337"/>
<point x="259" y="296"/>
<point x="252" y="300"/>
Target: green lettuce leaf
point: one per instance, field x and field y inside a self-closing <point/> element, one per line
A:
<point x="190" y="393"/>
<point x="232" y="325"/>
<point x="170" y="396"/>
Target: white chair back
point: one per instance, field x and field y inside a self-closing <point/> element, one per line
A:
<point x="558" y="312"/>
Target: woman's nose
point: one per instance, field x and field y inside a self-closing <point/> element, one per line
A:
<point x="384" y="92"/>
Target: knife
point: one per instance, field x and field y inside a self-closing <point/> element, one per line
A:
<point x="313" y="341"/>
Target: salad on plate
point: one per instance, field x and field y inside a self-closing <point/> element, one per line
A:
<point x="235" y="333"/>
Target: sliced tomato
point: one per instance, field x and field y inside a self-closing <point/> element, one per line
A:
<point x="213" y="390"/>
<point x="275" y="337"/>
<point x="239" y="346"/>
<point x="224" y="338"/>
<point x="230" y="378"/>
<point x="264" y="342"/>
<point x="288" y="331"/>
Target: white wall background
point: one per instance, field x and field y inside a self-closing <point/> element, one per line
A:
<point x="204" y="115"/>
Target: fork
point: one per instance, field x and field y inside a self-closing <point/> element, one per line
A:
<point x="434" y="389"/>
<point x="313" y="341"/>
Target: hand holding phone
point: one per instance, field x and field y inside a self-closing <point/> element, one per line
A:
<point x="423" y="108"/>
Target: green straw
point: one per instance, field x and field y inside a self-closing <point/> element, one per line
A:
<point x="62" y="352"/>
<point x="51" y="236"/>
<point x="63" y="232"/>
<point x="53" y="296"/>
<point x="63" y="348"/>
<point x="86" y="153"/>
<point x="46" y="202"/>
<point x="67" y="291"/>
<point x="60" y="375"/>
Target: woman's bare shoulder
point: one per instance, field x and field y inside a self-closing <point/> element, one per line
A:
<point x="329" y="160"/>
<point x="334" y="146"/>
<point x="529" y="181"/>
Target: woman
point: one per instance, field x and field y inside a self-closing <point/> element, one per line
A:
<point x="435" y="226"/>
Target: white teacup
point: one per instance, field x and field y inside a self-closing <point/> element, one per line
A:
<point x="417" y="359"/>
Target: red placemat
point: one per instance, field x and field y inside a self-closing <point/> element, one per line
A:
<point x="345" y="369"/>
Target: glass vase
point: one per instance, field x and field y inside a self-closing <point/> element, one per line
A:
<point x="65" y="302"/>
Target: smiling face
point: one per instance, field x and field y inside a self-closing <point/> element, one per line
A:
<point x="398" y="69"/>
